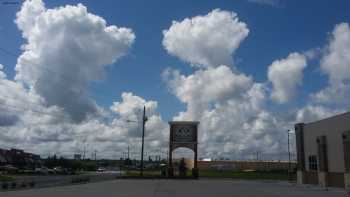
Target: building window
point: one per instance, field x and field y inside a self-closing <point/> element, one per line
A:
<point x="312" y="162"/>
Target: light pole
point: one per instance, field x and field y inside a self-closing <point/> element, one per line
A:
<point x="144" y="120"/>
<point x="289" y="164"/>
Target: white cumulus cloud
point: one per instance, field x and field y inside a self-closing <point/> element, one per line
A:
<point x="67" y="47"/>
<point x="311" y="113"/>
<point x="132" y="104"/>
<point x="201" y="88"/>
<point x="208" y="40"/>
<point x="336" y="64"/>
<point x="234" y="122"/>
<point x="286" y="75"/>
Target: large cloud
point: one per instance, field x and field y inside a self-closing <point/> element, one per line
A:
<point x="231" y="111"/>
<point x="205" y="86"/>
<point x="311" y="113"/>
<point x="132" y="105"/>
<point x="208" y="40"/>
<point x="131" y="109"/>
<point x="336" y="64"/>
<point x="67" y="47"/>
<point x="230" y="106"/>
<point x="26" y="123"/>
<point x="286" y="75"/>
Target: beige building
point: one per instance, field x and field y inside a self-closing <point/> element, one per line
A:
<point x="323" y="151"/>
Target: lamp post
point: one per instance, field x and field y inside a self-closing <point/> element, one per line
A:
<point x="144" y="119"/>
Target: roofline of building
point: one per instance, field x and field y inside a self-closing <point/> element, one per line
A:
<point x="331" y="117"/>
<point x="184" y="122"/>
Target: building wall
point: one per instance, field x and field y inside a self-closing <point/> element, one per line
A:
<point x="333" y="129"/>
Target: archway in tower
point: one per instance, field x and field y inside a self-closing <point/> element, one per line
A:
<point x="182" y="153"/>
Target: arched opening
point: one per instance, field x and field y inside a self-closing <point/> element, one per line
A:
<point x="185" y="154"/>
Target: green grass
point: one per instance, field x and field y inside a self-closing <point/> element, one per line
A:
<point x="5" y="178"/>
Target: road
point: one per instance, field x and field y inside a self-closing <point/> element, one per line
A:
<point x="59" y="180"/>
<point x="180" y="188"/>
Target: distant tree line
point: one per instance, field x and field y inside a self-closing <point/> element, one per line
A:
<point x="70" y="164"/>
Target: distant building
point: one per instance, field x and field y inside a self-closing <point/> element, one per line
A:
<point x="19" y="158"/>
<point x="323" y="151"/>
<point x="77" y="156"/>
<point x="244" y="165"/>
<point x="3" y="160"/>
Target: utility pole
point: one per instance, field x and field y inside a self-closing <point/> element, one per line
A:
<point x="167" y="155"/>
<point x="128" y="161"/>
<point x="95" y="155"/>
<point x="128" y="153"/>
<point x="84" y="151"/>
<point x="144" y="119"/>
<point x="289" y="164"/>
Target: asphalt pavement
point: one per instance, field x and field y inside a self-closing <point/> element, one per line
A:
<point x="181" y="188"/>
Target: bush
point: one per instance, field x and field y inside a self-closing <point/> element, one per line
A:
<point x="6" y="178"/>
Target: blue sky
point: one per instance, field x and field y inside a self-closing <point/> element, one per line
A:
<point x="290" y="64"/>
<point x="275" y="31"/>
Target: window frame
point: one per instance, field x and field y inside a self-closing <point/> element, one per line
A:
<point x="313" y="162"/>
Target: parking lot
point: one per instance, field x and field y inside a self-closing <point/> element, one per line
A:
<point x="174" y="188"/>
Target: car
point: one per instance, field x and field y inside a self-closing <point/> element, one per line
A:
<point x="59" y="170"/>
<point x="51" y="171"/>
<point x="8" y="169"/>
<point x="101" y="169"/>
<point x="41" y="170"/>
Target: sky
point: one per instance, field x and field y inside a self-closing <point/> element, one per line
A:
<point x="73" y="72"/>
